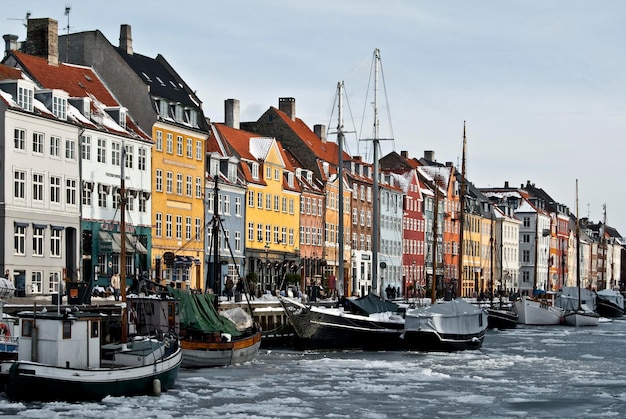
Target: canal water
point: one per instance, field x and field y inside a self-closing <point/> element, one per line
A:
<point x="528" y="372"/>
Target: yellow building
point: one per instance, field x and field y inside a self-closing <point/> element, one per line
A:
<point x="178" y="205"/>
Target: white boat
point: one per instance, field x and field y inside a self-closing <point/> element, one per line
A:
<point x="61" y="359"/>
<point x="538" y="312"/>
<point x="582" y="316"/>
<point x="445" y="326"/>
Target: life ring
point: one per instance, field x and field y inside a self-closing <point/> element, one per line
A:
<point x="5" y="332"/>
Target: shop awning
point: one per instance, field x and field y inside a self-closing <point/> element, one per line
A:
<point x="133" y="245"/>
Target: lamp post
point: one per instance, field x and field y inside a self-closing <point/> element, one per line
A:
<point x="157" y="268"/>
<point x="266" y="267"/>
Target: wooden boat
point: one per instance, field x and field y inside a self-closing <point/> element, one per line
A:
<point x="212" y="339"/>
<point x="335" y="328"/>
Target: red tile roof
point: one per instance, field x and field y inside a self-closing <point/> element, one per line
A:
<point x="9" y="73"/>
<point x="77" y="81"/>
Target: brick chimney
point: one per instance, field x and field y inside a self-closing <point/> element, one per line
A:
<point x="288" y="105"/>
<point x="429" y="155"/>
<point x="42" y="39"/>
<point x="126" y="39"/>
<point x="320" y="131"/>
<point x="404" y="154"/>
<point x="231" y="113"/>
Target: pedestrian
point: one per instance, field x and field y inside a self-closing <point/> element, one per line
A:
<point x="229" y="288"/>
<point x="115" y="284"/>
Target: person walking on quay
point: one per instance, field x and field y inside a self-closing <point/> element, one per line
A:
<point x="229" y="288"/>
<point x="115" y="284"/>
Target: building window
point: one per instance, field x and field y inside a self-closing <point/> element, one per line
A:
<point x="59" y="107"/>
<point x="227" y="204"/>
<point x="25" y="98"/>
<point x="19" y="184"/>
<point x="36" y="282"/>
<point x="198" y="229"/>
<point x="259" y="200"/>
<point x="19" y="240"/>
<point x="116" y="154"/>
<point x="169" y="144"/>
<point x="255" y="170"/>
<point x="38" y="182"/>
<point x="85" y="142"/>
<point x="169" y="182"/>
<point x="55" y="189"/>
<point x="268" y="201"/>
<point x="179" y="227"/>
<point x="55" y="242"/>
<point x="19" y="139"/>
<point x="159" y="224"/>
<point x="70" y="191"/>
<point x="238" y="206"/>
<point x="250" y="231"/>
<point x="284" y="204"/>
<point x="189" y="186"/>
<point x="268" y="233"/>
<point x="130" y="151"/>
<point x="158" y="183"/>
<point x="159" y="140"/>
<point x="102" y="150"/>
<point x="86" y="194"/>
<point x="198" y="150"/>
<point x="143" y="207"/>
<point x="189" y="148"/>
<point x="141" y="158"/>
<point x="70" y="149"/>
<point x="38" y="237"/>
<point x="276" y="203"/>
<point x="38" y="142"/>
<point x="179" y="183"/>
<point x="188" y="228"/>
<point x="168" y="226"/>
<point x="179" y="145"/>
<point x="259" y="232"/>
<point x="198" y="187"/>
<point x="238" y="241"/>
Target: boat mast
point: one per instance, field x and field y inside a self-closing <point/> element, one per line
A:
<point x="492" y="254"/>
<point x="217" y="283"/>
<point x="124" y="336"/>
<point x="462" y="216"/>
<point x="375" y="198"/>
<point x="433" y="287"/>
<point x="536" y="249"/>
<point x="340" y="138"/>
<point x="577" y="249"/>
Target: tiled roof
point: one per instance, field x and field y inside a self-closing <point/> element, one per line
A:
<point x="9" y="73"/>
<point x="326" y="151"/>
<point x="77" y="81"/>
<point x="238" y="141"/>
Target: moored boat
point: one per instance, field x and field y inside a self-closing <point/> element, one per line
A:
<point x="334" y="328"/>
<point x="61" y="359"/>
<point x="537" y="312"/>
<point x="609" y="303"/>
<point x="445" y="326"/>
<point x="582" y="316"/>
<point x="501" y="317"/>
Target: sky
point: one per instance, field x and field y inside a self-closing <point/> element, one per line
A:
<point x="540" y="85"/>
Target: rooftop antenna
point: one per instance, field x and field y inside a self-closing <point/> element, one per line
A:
<point x="68" y="7"/>
<point x="24" y="21"/>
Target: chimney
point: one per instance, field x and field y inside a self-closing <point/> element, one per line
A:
<point x="288" y="105"/>
<point x="404" y="154"/>
<point x="449" y="164"/>
<point x="320" y="131"/>
<point x="506" y="184"/>
<point x="126" y="39"/>
<point x="10" y="43"/>
<point x="231" y="113"/>
<point x="429" y="155"/>
<point x="42" y="39"/>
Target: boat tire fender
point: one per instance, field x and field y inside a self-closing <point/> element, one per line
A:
<point x="156" y="387"/>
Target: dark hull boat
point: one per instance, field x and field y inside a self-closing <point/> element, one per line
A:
<point x="501" y="317"/>
<point x="335" y="328"/>
<point x="609" y="303"/>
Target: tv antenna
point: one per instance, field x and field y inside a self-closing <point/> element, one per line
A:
<point x="68" y="7"/>
<point x="24" y="21"/>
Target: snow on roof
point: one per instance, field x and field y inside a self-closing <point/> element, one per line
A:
<point x="8" y="98"/>
<point x="260" y="146"/>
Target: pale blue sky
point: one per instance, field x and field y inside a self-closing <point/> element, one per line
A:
<point x="540" y="84"/>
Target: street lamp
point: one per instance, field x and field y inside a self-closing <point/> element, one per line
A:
<point x="266" y="270"/>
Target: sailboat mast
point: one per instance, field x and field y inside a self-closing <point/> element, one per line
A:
<point x="217" y="283"/>
<point x="433" y="286"/>
<point x="492" y="247"/>
<point x="340" y="138"/>
<point x="462" y="216"/>
<point x="375" y="198"/>
<point x="124" y="336"/>
<point x="577" y="248"/>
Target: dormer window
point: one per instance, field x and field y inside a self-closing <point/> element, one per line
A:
<point x="162" y="106"/>
<point x="309" y="176"/>
<point x="232" y="172"/>
<point x="122" y="121"/>
<point x="191" y="117"/>
<point x="25" y="97"/>
<point x="298" y="172"/>
<point x="255" y="170"/>
<point x="59" y="107"/>
<point x="178" y="113"/>
<point x="290" y="179"/>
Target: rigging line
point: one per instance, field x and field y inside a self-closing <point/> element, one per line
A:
<point x="347" y="102"/>
<point x="393" y="143"/>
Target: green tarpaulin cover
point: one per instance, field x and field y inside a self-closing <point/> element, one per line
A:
<point x="197" y="313"/>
